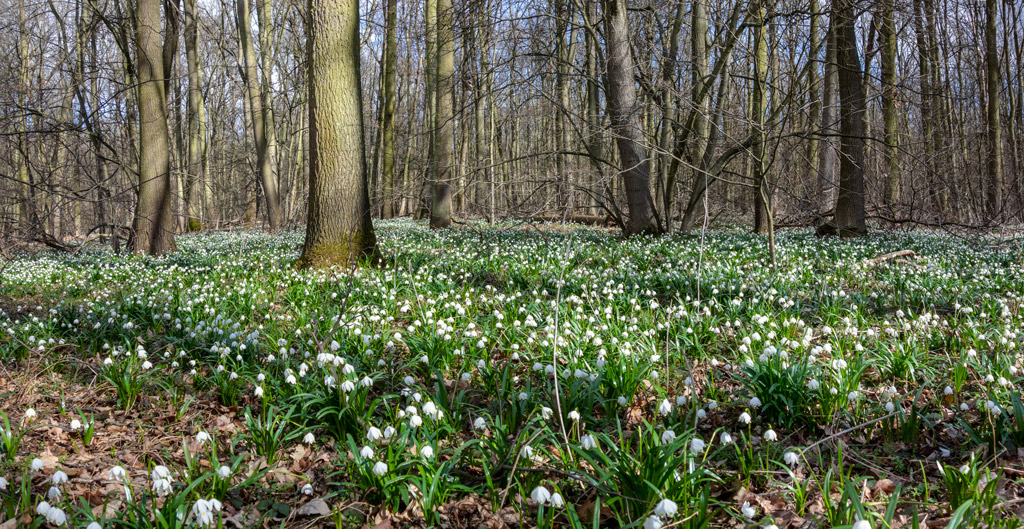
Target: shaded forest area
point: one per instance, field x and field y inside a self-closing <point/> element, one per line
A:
<point x="641" y="114"/>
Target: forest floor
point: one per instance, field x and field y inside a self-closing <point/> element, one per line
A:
<point x="517" y="377"/>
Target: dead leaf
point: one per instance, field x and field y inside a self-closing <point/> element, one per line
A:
<point x="314" y="507"/>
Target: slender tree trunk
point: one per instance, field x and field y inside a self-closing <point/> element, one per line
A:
<point x="889" y="116"/>
<point x="26" y="204"/>
<point x="441" y="205"/>
<point x="430" y="102"/>
<point x="593" y="111"/>
<point x="194" y="169"/>
<point x="388" y="116"/>
<point x="850" y="215"/>
<point x="339" y="230"/>
<point x="261" y="119"/>
<point x="154" y="222"/>
<point x="995" y="138"/>
<point x="814" y="94"/>
<point x="624" y="114"/>
<point x="758" y="107"/>
<point x="827" y="161"/>
<point x="698" y="73"/>
<point x="266" y="36"/>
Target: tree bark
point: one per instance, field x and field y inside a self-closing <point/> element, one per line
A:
<point x="441" y="203"/>
<point x="850" y="215"/>
<point x="891" y="147"/>
<point x="153" y="227"/>
<point x="624" y="115"/>
<point x="995" y="138"/>
<point x="388" y="113"/>
<point x="814" y="96"/>
<point x="758" y="107"/>
<point x="339" y="230"/>
<point x="196" y="136"/>
<point x="261" y="120"/>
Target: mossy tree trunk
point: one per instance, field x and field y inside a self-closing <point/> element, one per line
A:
<point x="339" y="230"/>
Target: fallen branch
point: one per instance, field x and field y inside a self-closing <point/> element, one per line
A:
<point x="892" y="255"/>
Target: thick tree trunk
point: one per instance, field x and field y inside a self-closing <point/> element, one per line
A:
<point x="153" y="227"/>
<point x="624" y="114"/>
<point x="339" y="230"/>
<point x="849" y="215"/>
<point x="441" y="203"/>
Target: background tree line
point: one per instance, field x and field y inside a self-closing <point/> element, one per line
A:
<point x="655" y="115"/>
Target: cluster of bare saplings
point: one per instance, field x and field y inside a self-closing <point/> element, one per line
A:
<point x="142" y="119"/>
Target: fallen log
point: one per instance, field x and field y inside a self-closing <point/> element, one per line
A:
<point x="590" y="220"/>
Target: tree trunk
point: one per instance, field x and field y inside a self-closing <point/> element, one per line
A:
<point x="26" y="203"/>
<point x="261" y="120"/>
<point x="849" y="215"/>
<point x="758" y="107"/>
<point x="891" y="138"/>
<point x="995" y="139"/>
<point x="593" y="113"/>
<point x="194" y="168"/>
<point x="441" y="203"/>
<point x="624" y="114"/>
<point x="153" y="226"/>
<point x="814" y="103"/>
<point x="827" y="160"/>
<point x="339" y="230"/>
<point x="698" y="44"/>
<point x="388" y="115"/>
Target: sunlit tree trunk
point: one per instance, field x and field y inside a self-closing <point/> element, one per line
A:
<point x="339" y="230"/>
<point x="261" y="113"/>
<point x="26" y="204"/>
<point x="441" y="203"/>
<point x="153" y="227"/>
<point x="196" y="140"/>
<point x="698" y="73"/>
<point x="594" y="132"/>
<point x="827" y="159"/>
<point x="850" y="215"/>
<point x="624" y="114"/>
<point x="388" y="112"/>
